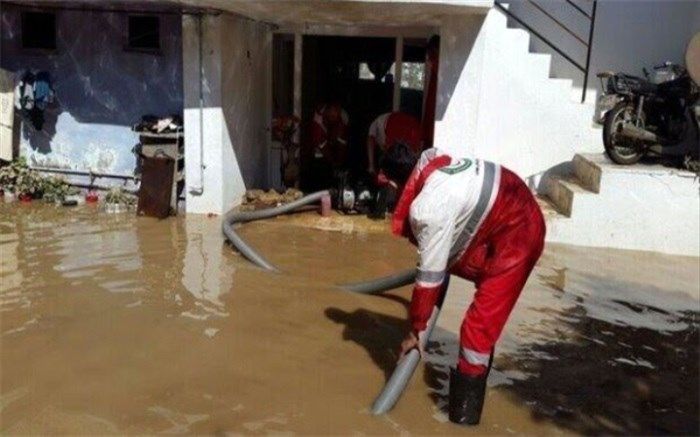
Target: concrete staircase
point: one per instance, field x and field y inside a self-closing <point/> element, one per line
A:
<point x="581" y="178"/>
<point x="528" y="119"/>
<point x="593" y="202"/>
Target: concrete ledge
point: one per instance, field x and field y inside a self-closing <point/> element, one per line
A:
<point x="643" y="207"/>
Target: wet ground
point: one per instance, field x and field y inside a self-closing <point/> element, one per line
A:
<point x="116" y="324"/>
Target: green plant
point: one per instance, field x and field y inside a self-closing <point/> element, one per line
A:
<point x="118" y="195"/>
<point x="56" y="189"/>
<point x="11" y="172"/>
<point x="28" y="183"/>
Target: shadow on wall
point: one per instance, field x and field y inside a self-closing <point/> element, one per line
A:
<point x="40" y="140"/>
<point x="95" y="78"/>
<point x="101" y="88"/>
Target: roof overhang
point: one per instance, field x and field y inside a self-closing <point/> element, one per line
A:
<point x="352" y="12"/>
<point x="291" y="13"/>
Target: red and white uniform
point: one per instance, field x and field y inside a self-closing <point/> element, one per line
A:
<point x="477" y="220"/>
<point x="322" y="136"/>
<point x="392" y="127"/>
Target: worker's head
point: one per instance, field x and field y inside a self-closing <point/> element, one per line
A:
<point x="398" y="162"/>
<point x="333" y="114"/>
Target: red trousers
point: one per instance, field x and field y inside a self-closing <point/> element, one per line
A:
<point x="498" y="260"/>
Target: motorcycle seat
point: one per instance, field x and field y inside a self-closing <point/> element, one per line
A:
<point x="639" y="85"/>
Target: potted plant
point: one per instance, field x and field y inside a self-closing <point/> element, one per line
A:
<point x="28" y="185"/>
<point x="56" y="189"/>
<point x="119" y="200"/>
<point x="9" y="174"/>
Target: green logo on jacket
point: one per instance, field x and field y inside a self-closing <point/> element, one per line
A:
<point x="457" y="167"/>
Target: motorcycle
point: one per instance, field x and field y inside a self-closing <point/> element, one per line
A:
<point x="657" y="115"/>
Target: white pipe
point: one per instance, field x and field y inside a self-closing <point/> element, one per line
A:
<point x="197" y="186"/>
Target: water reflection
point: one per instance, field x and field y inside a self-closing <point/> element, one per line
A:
<point x="206" y="274"/>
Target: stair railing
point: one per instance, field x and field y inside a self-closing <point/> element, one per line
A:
<point x="588" y="44"/>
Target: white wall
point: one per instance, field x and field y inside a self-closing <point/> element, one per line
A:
<point x="639" y="207"/>
<point x="497" y="102"/>
<point x="247" y="104"/>
<point x="235" y="87"/>
<point x="628" y="34"/>
<point x="102" y="90"/>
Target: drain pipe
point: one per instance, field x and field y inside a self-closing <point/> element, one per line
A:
<point x="197" y="188"/>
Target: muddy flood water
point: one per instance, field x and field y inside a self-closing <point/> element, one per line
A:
<point x="115" y="324"/>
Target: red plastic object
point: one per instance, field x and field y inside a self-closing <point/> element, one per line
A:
<point x="91" y="197"/>
<point x="26" y="198"/>
<point x="326" y="205"/>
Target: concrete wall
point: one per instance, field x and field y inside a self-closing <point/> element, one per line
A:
<point x="101" y="89"/>
<point x="496" y="100"/>
<point x="629" y="35"/>
<point x="235" y="86"/>
<point x="640" y="207"/>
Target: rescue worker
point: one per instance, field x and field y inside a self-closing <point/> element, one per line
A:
<point x="387" y="130"/>
<point x="326" y="149"/>
<point x="479" y="221"/>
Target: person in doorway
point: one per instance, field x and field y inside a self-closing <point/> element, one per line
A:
<point x="479" y="221"/>
<point x="326" y="150"/>
<point x="386" y="131"/>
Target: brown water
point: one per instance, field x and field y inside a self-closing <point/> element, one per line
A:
<point x="116" y="324"/>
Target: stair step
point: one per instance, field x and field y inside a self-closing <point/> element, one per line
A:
<point x="561" y="189"/>
<point x="517" y="38"/>
<point x="549" y="210"/>
<point x="542" y="62"/>
<point x="588" y="172"/>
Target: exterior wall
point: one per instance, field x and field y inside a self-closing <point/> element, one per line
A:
<point x="639" y="207"/>
<point x="497" y="102"/>
<point x="101" y="89"/>
<point x="235" y="86"/>
<point x="628" y="35"/>
<point x="247" y="103"/>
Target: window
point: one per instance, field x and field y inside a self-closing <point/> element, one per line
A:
<point x="412" y="75"/>
<point x="144" y="33"/>
<point x="39" y="30"/>
<point x="365" y="73"/>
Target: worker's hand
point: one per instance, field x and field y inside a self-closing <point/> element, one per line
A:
<point x="412" y="341"/>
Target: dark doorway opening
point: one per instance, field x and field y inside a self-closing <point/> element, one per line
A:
<point x="358" y="73"/>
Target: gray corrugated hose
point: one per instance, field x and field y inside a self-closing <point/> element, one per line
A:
<point x="233" y="217"/>
<point x="404" y="370"/>
<point x="407" y="365"/>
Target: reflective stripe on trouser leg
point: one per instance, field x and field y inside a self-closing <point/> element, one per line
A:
<point x="474" y="357"/>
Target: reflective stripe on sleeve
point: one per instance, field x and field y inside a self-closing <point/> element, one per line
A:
<point x="427" y="278"/>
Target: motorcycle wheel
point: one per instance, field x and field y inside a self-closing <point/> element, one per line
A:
<point x="623" y="151"/>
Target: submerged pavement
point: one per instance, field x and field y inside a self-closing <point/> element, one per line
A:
<point x="111" y="323"/>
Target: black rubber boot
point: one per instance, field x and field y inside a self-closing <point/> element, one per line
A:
<point x="378" y="211"/>
<point x="466" y="397"/>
